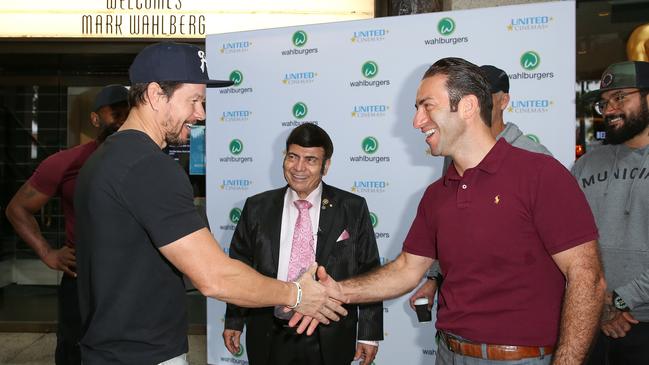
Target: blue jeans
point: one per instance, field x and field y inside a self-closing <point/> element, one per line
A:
<point x="448" y="357"/>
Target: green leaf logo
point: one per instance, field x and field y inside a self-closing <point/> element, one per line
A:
<point x="299" y="38"/>
<point x="300" y="110"/>
<point x="530" y="60"/>
<point x="370" y="145"/>
<point x="236" y="146"/>
<point x="446" y="26"/>
<point x="374" y="219"/>
<point x="237" y="77"/>
<point x="235" y="215"/>
<point x="370" y="69"/>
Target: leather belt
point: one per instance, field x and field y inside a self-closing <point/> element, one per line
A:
<point x="493" y="352"/>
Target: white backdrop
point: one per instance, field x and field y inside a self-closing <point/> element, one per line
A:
<point x="358" y="81"/>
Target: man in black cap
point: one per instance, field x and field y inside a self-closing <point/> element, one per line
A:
<point x="56" y="176"/>
<point x="615" y="180"/>
<point x="499" y="87"/>
<point x="139" y="230"/>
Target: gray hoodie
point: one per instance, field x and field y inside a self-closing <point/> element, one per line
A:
<point x="615" y="179"/>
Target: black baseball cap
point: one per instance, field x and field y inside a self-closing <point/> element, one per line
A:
<point x="622" y="75"/>
<point x="111" y="94"/>
<point x="170" y="61"/>
<point x="497" y="78"/>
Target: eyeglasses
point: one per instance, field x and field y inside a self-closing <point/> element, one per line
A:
<point x="615" y="102"/>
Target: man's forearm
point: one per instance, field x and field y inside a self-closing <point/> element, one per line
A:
<point x="580" y="316"/>
<point x="26" y="227"/>
<point x="390" y="281"/>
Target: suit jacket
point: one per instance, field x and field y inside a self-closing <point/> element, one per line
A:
<point x="256" y="242"/>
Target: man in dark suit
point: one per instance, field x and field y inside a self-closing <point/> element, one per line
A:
<point x="339" y="236"/>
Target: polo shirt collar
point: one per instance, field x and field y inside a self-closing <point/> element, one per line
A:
<point x="489" y="164"/>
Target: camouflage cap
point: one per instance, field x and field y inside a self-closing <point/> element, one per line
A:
<point x="622" y="75"/>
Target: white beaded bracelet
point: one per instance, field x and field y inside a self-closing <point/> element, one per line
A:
<point x="298" y="300"/>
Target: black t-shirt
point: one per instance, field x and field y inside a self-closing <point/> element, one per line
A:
<point x="131" y="199"/>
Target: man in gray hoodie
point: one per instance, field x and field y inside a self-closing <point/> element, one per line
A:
<point x="615" y="180"/>
<point x="499" y="85"/>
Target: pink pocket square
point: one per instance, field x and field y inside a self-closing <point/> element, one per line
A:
<point x="343" y="236"/>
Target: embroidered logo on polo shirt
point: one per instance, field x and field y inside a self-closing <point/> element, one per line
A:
<point x="497" y="199"/>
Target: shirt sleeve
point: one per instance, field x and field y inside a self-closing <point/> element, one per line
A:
<point x="561" y="214"/>
<point x="160" y="197"/>
<point x="48" y="175"/>
<point x="420" y="239"/>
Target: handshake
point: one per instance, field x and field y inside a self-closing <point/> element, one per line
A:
<point x="316" y="301"/>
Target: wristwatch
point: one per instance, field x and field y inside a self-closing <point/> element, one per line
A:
<point x="619" y="303"/>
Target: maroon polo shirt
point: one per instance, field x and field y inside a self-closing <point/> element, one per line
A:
<point x="494" y="231"/>
<point x="57" y="175"/>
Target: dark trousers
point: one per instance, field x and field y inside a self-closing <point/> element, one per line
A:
<point x="632" y="349"/>
<point x="68" y="332"/>
<point x="289" y="348"/>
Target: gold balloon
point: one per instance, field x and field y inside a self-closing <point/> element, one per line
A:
<point x="637" y="48"/>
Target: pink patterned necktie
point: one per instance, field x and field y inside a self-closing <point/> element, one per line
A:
<point x="302" y="249"/>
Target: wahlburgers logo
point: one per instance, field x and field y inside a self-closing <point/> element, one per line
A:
<point x="236" y="147"/>
<point x="240" y="352"/>
<point x="374" y="219"/>
<point x="300" y="110"/>
<point x="237" y="77"/>
<point x="370" y="69"/>
<point x="446" y="26"/>
<point x="235" y="215"/>
<point x="299" y="38"/>
<point x="530" y="60"/>
<point x="370" y="145"/>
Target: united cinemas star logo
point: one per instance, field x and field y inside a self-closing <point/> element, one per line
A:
<point x="541" y="22"/>
<point x="369" y="35"/>
<point x="530" y="106"/>
<point x="235" y="47"/>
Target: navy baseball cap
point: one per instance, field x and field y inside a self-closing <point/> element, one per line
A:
<point x="497" y="78"/>
<point x="111" y="94"/>
<point x="170" y="61"/>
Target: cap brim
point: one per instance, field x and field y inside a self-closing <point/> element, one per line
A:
<point x="218" y="83"/>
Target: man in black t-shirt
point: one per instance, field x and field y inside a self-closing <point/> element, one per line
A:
<point x="138" y="230"/>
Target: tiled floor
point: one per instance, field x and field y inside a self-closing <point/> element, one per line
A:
<point x="19" y="348"/>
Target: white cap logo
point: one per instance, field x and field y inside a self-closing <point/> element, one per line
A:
<point x="201" y="54"/>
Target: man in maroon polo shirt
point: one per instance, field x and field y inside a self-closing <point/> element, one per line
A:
<point x="512" y="231"/>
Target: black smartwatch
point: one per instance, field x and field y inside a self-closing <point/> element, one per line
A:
<point x="619" y="303"/>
